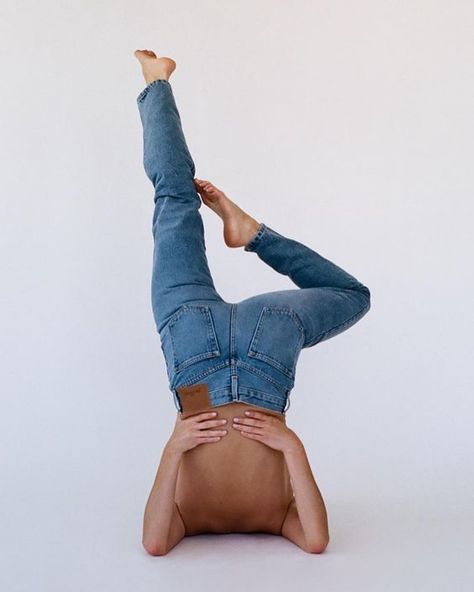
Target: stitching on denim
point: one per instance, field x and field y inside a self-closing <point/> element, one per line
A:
<point x="262" y="374"/>
<point x="273" y="309"/>
<point x="253" y="351"/>
<point x="251" y="245"/>
<point x="233" y="316"/>
<point x="194" y="359"/>
<point x="250" y="391"/>
<point x="195" y="377"/>
<point x="213" y="344"/>
<point x="212" y="330"/>
<point x="275" y="363"/>
<point x="146" y="90"/>
<point x="180" y="310"/>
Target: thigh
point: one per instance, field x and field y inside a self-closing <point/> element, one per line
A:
<point x="326" y="312"/>
<point x="180" y="272"/>
<point x="320" y="313"/>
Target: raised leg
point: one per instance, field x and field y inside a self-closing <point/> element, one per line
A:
<point x="329" y="300"/>
<point x="180" y="269"/>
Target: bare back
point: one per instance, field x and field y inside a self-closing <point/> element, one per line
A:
<point x="234" y="485"/>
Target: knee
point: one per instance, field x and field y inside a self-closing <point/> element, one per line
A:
<point x="365" y="294"/>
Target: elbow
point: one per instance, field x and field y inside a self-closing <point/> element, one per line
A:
<point x="318" y="545"/>
<point x="155" y="548"/>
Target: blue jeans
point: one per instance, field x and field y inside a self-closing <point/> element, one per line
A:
<point x="245" y="351"/>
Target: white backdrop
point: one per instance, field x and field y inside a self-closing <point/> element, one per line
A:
<point x="345" y="125"/>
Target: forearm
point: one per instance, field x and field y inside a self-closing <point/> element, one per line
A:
<point x="160" y="507"/>
<point x="309" y="502"/>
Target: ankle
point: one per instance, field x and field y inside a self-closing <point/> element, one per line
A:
<point x="151" y="78"/>
<point x="251" y="230"/>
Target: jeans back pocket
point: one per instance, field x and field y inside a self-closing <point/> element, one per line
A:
<point x="189" y="337"/>
<point x="278" y="339"/>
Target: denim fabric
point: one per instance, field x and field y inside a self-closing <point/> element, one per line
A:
<point x="245" y="351"/>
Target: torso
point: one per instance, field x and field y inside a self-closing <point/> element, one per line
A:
<point x="234" y="485"/>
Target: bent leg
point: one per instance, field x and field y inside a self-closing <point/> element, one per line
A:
<point x="180" y="268"/>
<point x="329" y="300"/>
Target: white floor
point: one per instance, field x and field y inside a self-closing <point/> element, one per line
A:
<point x="59" y="538"/>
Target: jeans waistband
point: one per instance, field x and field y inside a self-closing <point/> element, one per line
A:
<point x="239" y="384"/>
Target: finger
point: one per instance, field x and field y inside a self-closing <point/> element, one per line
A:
<point x="256" y="414"/>
<point x="251" y="435"/>
<point x="204" y="416"/>
<point x="212" y="439"/>
<point x="243" y="428"/>
<point x="212" y="433"/>
<point x="211" y="423"/>
<point x="248" y="421"/>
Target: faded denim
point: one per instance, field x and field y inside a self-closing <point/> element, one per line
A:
<point x="245" y="351"/>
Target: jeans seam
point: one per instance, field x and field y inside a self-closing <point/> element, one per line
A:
<point x="261" y="374"/>
<point x="253" y="350"/>
<point x="196" y="377"/>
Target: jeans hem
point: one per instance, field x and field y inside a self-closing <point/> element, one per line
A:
<point x="253" y="243"/>
<point x="147" y="88"/>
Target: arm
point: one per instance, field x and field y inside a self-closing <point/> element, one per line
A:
<point x="306" y="521"/>
<point x="163" y="526"/>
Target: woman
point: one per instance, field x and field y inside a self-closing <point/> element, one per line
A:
<point x="230" y="362"/>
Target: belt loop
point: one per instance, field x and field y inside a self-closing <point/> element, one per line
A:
<point x="234" y="390"/>
<point x="177" y="402"/>
<point x="288" y="403"/>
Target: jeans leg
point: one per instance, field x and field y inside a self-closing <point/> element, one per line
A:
<point x="180" y="268"/>
<point x="329" y="300"/>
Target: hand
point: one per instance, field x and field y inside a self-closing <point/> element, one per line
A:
<point x="268" y="429"/>
<point x="192" y="431"/>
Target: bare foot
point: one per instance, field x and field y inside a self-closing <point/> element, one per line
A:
<point x="153" y="67"/>
<point x="239" y="227"/>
